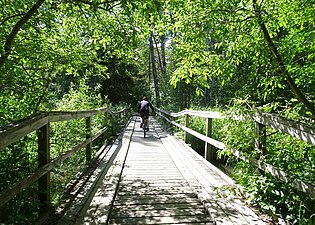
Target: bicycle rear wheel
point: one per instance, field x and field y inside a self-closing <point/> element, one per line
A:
<point x="144" y="131"/>
<point x="144" y="126"/>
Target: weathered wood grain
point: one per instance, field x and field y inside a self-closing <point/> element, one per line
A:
<point x="293" y="128"/>
<point x="137" y="189"/>
<point x="13" y="132"/>
<point x="211" y="187"/>
<point x="94" y="201"/>
<point x="174" y="219"/>
<point x="152" y="190"/>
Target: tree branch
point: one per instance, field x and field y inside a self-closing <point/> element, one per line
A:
<point x="10" y="17"/>
<point x="91" y="3"/>
<point x="297" y="91"/>
<point x="10" y="39"/>
<point x="97" y="5"/>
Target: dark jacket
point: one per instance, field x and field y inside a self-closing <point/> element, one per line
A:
<point x="143" y="108"/>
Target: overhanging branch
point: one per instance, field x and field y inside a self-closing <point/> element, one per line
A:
<point x="297" y="91"/>
<point x="10" y="39"/>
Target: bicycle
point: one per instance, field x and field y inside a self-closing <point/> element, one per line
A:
<point x="145" y="125"/>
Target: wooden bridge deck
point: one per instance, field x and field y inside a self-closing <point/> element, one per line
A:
<point x="156" y="180"/>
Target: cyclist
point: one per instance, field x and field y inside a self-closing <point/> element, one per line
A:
<point x="143" y="108"/>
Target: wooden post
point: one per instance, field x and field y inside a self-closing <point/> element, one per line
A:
<point x="106" y="124"/>
<point x="88" y="135"/>
<point x="113" y="124"/>
<point x="260" y="142"/>
<point x="186" y="125"/>
<point x="209" y="149"/>
<point x="43" y="159"/>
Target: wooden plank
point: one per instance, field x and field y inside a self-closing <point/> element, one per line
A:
<point x="245" y="215"/>
<point x="204" y="114"/>
<point x="158" y="196"/>
<point x="216" y="213"/>
<point x="13" y="132"/>
<point x="210" y="152"/>
<point x="58" y="116"/>
<point x="162" y="220"/>
<point x="186" y="125"/>
<point x="88" y="130"/>
<point x="224" y="211"/>
<point x="297" y="130"/>
<point x="125" y="187"/>
<point x="153" y="198"/>
<point x="173" y="206"/>
<point x="154" y="212"/>
<point x="154" y="191"/>
<point x="43" y="159"/>
<point x="230" y="203"/>
<point x="163" y="184"/>
<point x="85" y="210"/>
<point x="294" y="128"/>
<point x="209" y="140"/>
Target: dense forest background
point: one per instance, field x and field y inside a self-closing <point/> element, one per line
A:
<point x="204" y="53"/>
<point x="82" y="54"/>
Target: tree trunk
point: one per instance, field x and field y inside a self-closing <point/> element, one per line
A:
<point x="155" y="78"/>
<point x="149" y="72"/>
<point x="159" y="59"/>
<point x="297" y="91"/>
<point x="163" y="57"/>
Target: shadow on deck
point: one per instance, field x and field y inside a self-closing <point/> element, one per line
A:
<point x="153" y="180"/>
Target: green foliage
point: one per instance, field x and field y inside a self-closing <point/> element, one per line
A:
<point x="274" y="197"/>
<point x="220" y="46"/>
<point x="20" y="159"/>
<point x="283" y="152"/>
<point x="79" y="97"/>
<point x="17" y="161"/>
<point x="85" y="54"/>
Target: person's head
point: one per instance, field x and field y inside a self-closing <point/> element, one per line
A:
<point x="144" y="98"/>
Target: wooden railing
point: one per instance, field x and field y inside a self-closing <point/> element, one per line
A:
<point x="293" y="128"/>
<point x="40" y="122"/>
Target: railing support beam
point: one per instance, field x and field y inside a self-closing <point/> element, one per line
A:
<point x="43" y="159"/>
<point x="88" y="135"/>
<point x="210" y="153"/>
<point x="260" y="142"/>
<point x="186" y="125"/>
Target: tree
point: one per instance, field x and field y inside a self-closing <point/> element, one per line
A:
<point x="155" y="77"/>
<point x="53" y="41"/>
<point x="238" y="45"/>
<point x="297" y="91"/>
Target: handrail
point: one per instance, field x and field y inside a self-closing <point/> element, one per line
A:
<point x="295" y="129"/>
<point x="10" y="191"/>
<point x="13" y="132"/>
<point x="217" y="144"/>
<point x="204" y="114"/>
